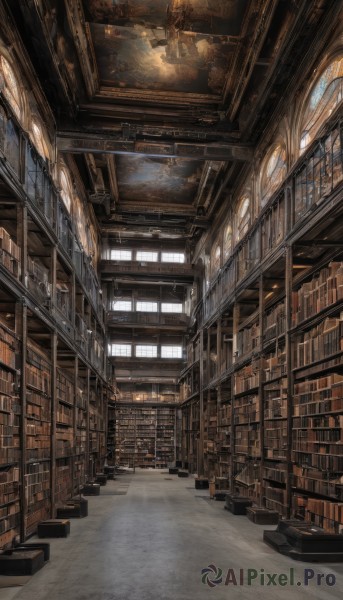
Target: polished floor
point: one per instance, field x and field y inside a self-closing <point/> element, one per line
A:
<point x="148" y="537"/>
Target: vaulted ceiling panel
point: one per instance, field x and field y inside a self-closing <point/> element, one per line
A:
<point x="158" y="180"/>
<point x="201" y="16"/>
<point x="140" y="58"/>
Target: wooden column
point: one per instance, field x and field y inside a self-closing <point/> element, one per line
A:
<point x="54" y="342"/>
<point x="201" y="401"/>
<point x="76" y="375"/>
<point x="261" y="387"/>
<point x="288" y="307"/>
<point x="21" y="331"/>
<point x="89" y="467"/>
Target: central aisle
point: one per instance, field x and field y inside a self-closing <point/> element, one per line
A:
<point x="148" y="536"/>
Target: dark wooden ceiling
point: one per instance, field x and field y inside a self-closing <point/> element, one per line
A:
<point x="161" y="102"/>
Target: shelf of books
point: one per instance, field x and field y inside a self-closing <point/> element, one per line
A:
<point x="145" y="436"/>
<point x="10" y="254"/>
<point x="9" y="438"/>
<point x="317" y="418"/>
<point x="224" y="440"/>
<point x="165" y="437"/>
<point x="38" y="436"/>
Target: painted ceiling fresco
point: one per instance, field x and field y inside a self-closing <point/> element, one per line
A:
<point x="163" y="180"/>
<point x="203" y="16"/>
<point x="181" y="46"/>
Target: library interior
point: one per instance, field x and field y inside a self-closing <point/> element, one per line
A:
<point x="171" y="357"/>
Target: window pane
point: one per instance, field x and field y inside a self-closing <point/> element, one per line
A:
<point x="121" y="254"/>
<point x="171" y="351"/>
<point x="148" y="351"/>
<point x="147" y="256"/>
<point x="121" y="350"/>
<point x="122" y="305"/>
<point x="173" y="257"/>
<point x="171" y="307"/>
<point x="146" y="306"/>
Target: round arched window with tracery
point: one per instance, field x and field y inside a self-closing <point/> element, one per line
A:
<point x="274" y="172"/>
<point x="227" y="241"/>
<point x="10" y="88"/>
<point x="243" y="216"/>
<point x="38" y="138"/>
<point x="66" y="188"/>
<point x="215" y="259"/>
<point x="326" y="95"/>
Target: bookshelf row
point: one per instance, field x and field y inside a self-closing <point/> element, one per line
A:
<point x="27" y="416"/>
<point x="145" y="436"/>
<point x="271" y="420"/>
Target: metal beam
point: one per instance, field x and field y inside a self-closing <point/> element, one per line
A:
<point x="320" y="243"/>
<point x="78" y="142"/>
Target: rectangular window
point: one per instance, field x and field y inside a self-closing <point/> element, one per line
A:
<point x="146" y="351"/>
<point x="146" y="256"/>
<point x="171" y="351"/>
<point x="120" y="349"/>
<point x="173" y="257"/>
<point x="122" y="305"/>
<point x="171" y="307"/>
<point x="145" y="306"/>
<point x="121" y="255"/>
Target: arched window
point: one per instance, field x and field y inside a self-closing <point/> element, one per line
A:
<point x="81" y="223"/>
<point x="243" y="217"/>
<point x="274" y="173"/>
<point x="66" y="188"/>
<point x="10" y="88"/>
<point x="38" y="138"/>
<point x="325" y="96"/>
<point x="215" y="259"/>
<point x="228" y="241"/>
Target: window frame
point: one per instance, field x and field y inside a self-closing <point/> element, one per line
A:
<point x="153" y="354"/>
<point x="174" y="255"/>
<point x="120" y="252"/>
<point x="146" y="258"/>
<point x="171" y="347"/>
<point x="122" y="309"/>
<point x="178" y="312"/>
<point x="146" y="309"/>
<point x="120" y="354"/>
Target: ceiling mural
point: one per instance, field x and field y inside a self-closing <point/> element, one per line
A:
<point x="202" y="16"/>
<point x="138" y="58"/>
<point x="163" y="180"/>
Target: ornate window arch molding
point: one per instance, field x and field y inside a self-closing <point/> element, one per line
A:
<point x="273" y="170"/>
<point x="227" y="239"/>
<point x="66" y="186"/>
<point x="216" y="255"/>
<point x="323" y="98"/>
<point x="12" y="88"/>
<point x="38" y="137"/>
<point x="243" y="215"/>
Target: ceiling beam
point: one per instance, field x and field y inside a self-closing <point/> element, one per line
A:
<point x="80" y="142"/>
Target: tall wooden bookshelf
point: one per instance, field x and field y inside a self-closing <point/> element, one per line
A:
<point x="268" y="382"/>
<point x="145" y="435"/>
<point x="53" y="389"/>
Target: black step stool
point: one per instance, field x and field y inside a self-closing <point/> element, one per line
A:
<point x="237" y="505"/>
<point x="201" y="484"/>
<point x="91" y="489"/>
<point x="21" y="562"/>
<point x="262" y="516"/>
<point x="182" y="474"/>
<point x="101" y="478"/>
<point x="53" y="528"/>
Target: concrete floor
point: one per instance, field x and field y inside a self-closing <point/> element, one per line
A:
<point x="152" y="542"/>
